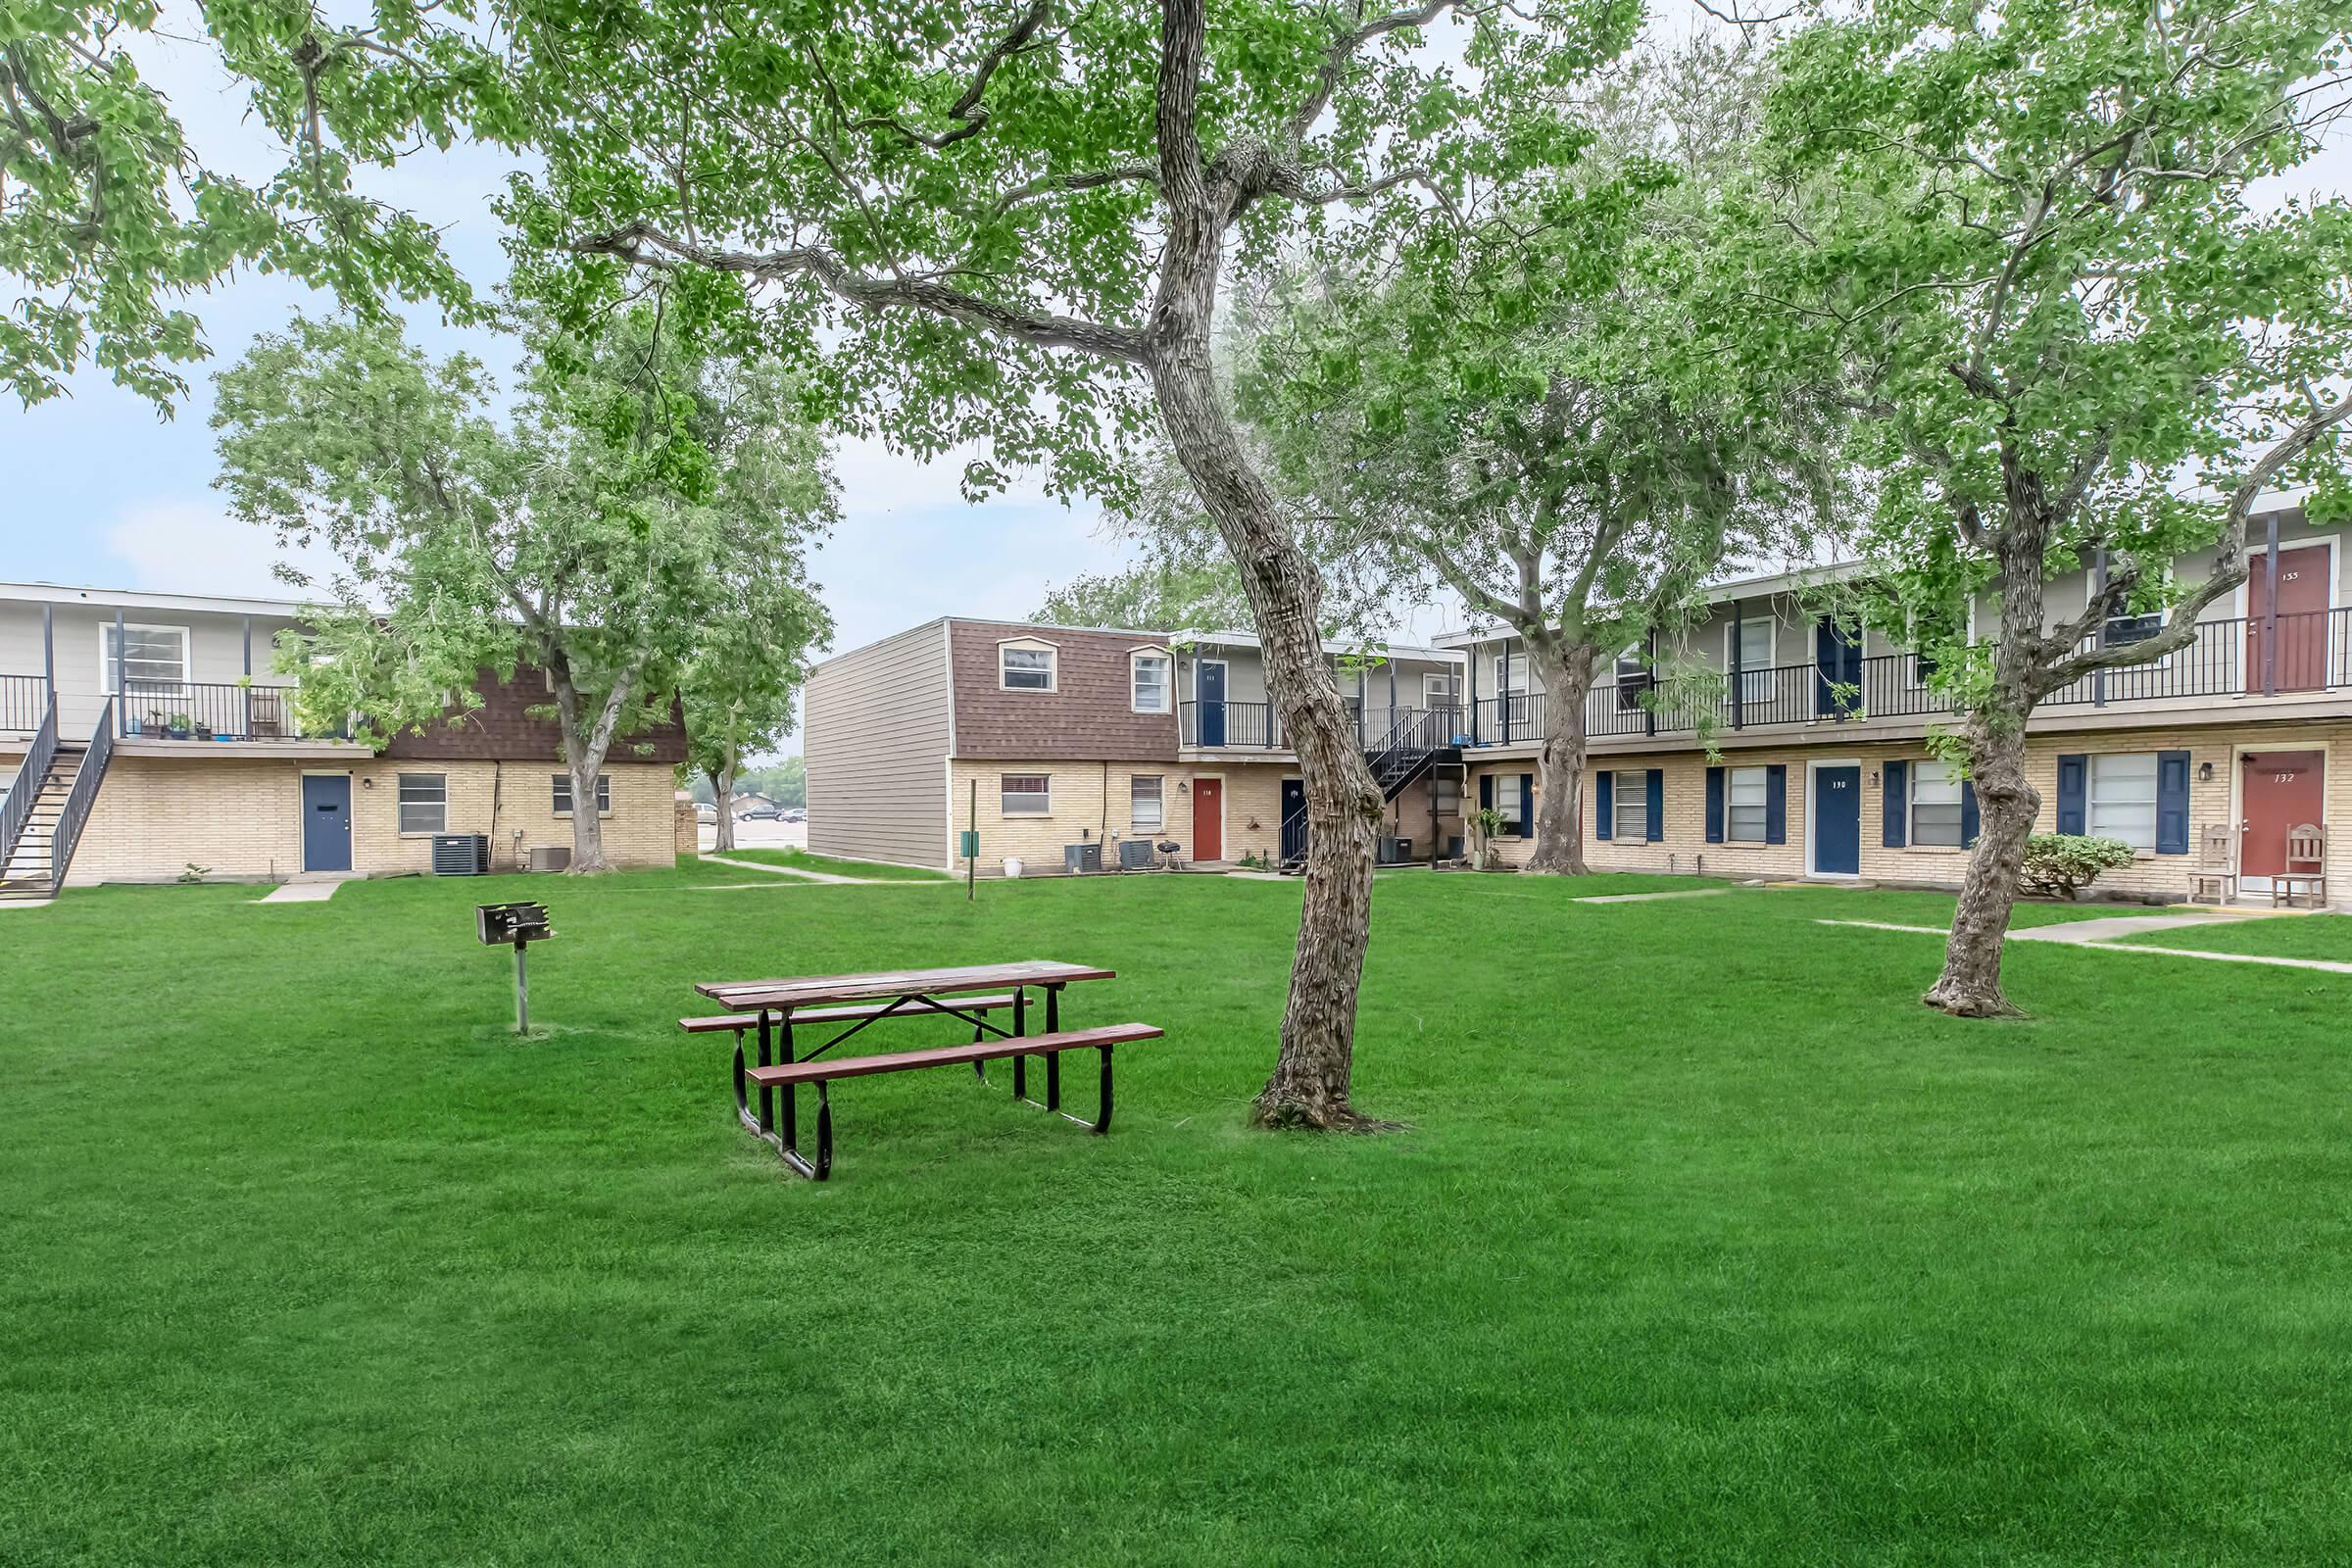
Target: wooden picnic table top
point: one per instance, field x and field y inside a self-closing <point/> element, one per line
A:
<point x="813" y="990"/>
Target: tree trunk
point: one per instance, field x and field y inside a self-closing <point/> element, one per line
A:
<point x="2007" y="806"/>
<point x="722" y="790"/>
<point x="1566" y="677"/>
<point x="587" y="827"/>
<point x="585" y="746"/>
<point x="1310" y="1080"/>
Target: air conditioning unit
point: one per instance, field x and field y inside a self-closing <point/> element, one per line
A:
<point x="1135" y="855"/>
<point x="460" y="854"/>
<point x="1076" y="857"/>
<point x="551" y="858"/>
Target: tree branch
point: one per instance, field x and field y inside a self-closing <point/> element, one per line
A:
<point x="1343" y="52"/>
<point x="970" y="116"/>
<point x="641" y="244"/>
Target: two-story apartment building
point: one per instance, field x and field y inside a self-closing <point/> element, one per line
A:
<point x="1057" y="738"/>
<point x="1822" y="767"/>
<point x="143" y="733"/>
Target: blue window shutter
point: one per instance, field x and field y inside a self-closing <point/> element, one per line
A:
<point x="1655" y="798"/>
<point x="1527" y="806"/>
<point x="2171" y="803"/>
<point x="1894" y="812"/>
<point x="1776" y="803"/>
<point x="1604" y="805"/>
<point x="2074" y="774"/>
<point x="1968" y="814"/>
<point x="1714" y="805"/>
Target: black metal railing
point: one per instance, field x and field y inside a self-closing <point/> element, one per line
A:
<point x="1216" y="722"/>
<point x="17" y="809"/>
<point x="2306" y="652"/>
<point x="210" y="711"/>
<point x="23" y="701"/>
<point x="75" y="812"/>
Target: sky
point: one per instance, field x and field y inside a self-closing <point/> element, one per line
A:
<point x="100" y="492"/>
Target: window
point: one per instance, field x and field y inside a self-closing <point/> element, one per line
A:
<point x="2121" y="631"/>
<point x="1750" y="644"/>
<point x="424" y="803"/>
<point x="1510" y="675"/>
<point x="1151" y="683"/>
<point x="1144" y="805"/>
<point x="1026" y="794"/>
<point x="1744" y="796"/>
<point x="1025" y="667"/>
<point x="152" y="655"/>
<point x="1437" y="691"/>
<point x="1633" y="678"/>
<point x="604" y="793"/>
<point x="1632" y="804"/>
<point x="1935" y="805"/>
<point x="2122" y="798"/>
<point x="1514" y="806"/>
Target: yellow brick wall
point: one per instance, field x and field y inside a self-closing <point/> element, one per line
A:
<point x="687" y="839"/>
<point x="241" y="817"/>
<point x="1089" y="797"/>
<point x="2211" y="802"/>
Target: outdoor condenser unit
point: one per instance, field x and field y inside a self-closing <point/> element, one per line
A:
<point x="460" y="854"/>
<point x="551" y="857"/>
<point x="1076" y="857"/>
<point x="1135" y="855"/>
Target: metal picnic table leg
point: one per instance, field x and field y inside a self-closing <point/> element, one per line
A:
<point x="768" y="1099"/>
<point x="792" y="1119"/>
<point x="1020" y="1028"/>
<point x="1053" y="1058"/>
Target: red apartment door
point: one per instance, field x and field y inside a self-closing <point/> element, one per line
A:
<point x="1208" y="819"/>
<point x="2278" y="790"/>
<point x="2302" y="619"/>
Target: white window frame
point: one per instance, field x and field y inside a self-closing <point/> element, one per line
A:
<point x="1168" y="679"/>
<point x="1046" y="794"/>
<point x="401" y="804"/>
<point x="1732" y="780"/>
<point x="1503" y="684"/>
<point x="1947" y="779"/>
<point x="1628" y="693"/>
<point x="1761" y="682"/>
<point x="1030" y="645"/>
<point x="2091" y="823"/>
<point x="560" y="793"/>
<point x="1638" y="794"/>
<point x="106" y="658"/>
<point x="1443" y="696"/>
<point x="1159" y="804"/>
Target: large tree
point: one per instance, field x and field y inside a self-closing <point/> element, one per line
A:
<point x="642" y="503"/>
<point x="2027" y="234"/>
<point x="742" y="686"/>
<point x="1154" y="594"/>
<point x="110" y="218"/>
<point x="1541" y="412"/>
<point x="1011" y="222"/>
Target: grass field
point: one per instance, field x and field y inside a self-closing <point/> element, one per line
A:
<point x="1706" y="1245"/>
<point x="2303" y="936"/>
<point x="803" y="860"/>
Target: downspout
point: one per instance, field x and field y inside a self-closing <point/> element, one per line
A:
<point x="498" y="783"/>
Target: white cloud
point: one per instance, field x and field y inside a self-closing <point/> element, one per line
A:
<point x="190" y="547"/>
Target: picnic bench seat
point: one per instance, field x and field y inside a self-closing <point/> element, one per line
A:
<point x="821" y="1071"/>
<point x="739" y="1021"/>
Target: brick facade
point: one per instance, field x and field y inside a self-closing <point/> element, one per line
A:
<point x="1090" y="714"/>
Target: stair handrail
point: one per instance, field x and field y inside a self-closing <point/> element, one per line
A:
<point x="18" y="809"/>
<point x="81" y="796"/>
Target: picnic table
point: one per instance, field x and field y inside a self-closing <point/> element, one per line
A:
<point x="780" y="1014"/>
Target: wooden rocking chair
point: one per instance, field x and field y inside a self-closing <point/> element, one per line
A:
<point x="2304" y="874"/>
<point x="2217" y="865"/>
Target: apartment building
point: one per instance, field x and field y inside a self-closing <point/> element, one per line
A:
<point x="145" y="734"/>
<point x="1822" y="770"/>
<point x="1070" y="747"/>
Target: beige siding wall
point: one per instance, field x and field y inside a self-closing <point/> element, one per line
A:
<point x="242" y="818"/>
<point x="876" y="733"/>
<point x="1090" y="802"/>
<point x="216" y="651"/>
<point x="2211" y="802"/>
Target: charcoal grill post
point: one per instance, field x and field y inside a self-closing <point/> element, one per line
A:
<point x="523" y="988"/>
<point x="515" y="925"/>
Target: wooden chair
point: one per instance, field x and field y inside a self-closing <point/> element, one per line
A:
<point x="2217" y="865"/>
<point x="2305" y="873"/>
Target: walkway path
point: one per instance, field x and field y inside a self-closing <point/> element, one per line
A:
<point x="810" y="876"/>
<point x="2098" y="936"/>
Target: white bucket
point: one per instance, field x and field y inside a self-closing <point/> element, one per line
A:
<point x="1012" y="865"/>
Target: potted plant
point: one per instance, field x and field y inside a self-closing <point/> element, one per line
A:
<point x="1485" y="825"/>
<point x="177" y="726"/>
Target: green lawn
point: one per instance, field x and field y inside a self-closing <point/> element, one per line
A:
<point x="2302" y="936"/>
<point x="803" y="860"/>
<point x="1706" y="1246"/>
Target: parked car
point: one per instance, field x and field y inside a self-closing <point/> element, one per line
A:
<point x="761" y="814"/>
<point x="796" y="815"/>
<point x="706" y="813"/>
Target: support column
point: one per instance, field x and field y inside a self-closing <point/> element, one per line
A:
<point x="2270" y="607"/>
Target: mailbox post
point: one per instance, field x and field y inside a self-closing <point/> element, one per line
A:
<point x="518" y="924"/>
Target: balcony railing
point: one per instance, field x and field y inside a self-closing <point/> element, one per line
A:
<point x="2310" y="651"/>
<point x="23" y="701"/>
<point x="1256" y="727"/>
<point x="201" y="711"/>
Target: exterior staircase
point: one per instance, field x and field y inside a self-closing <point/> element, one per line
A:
<point x="1416" y="745"/>
<point x="27" y="874"/>
<point x="41" y="817"/>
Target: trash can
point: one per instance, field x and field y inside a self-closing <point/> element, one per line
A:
<point x="1012" y="865"/>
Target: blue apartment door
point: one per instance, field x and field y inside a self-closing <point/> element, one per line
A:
<point x="1837" y="667"/>
<point x="1209" y="682"/>
<point x="325" y="822"/>
<point x="1293" y="819"/>
<point x="1837" y="821"/>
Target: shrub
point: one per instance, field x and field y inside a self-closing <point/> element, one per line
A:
<point x="2058" y="865"/>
